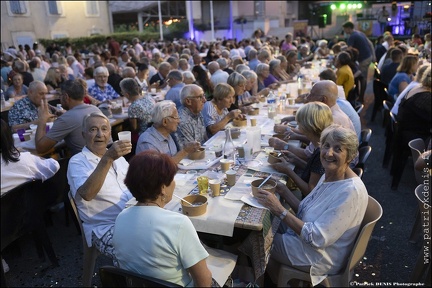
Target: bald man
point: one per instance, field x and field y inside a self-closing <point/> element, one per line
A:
<point x="217" y="74"/>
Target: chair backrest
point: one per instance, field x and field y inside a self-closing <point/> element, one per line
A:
<point x="365" y="136"/>
<point x="387" y="105"/>
<point x="358" y="171"/>
<point x="372" y="215"/>
<point x="116" y="277"/>
<point x="417" y="147"/>
<point x="359" y="108"/>
<point x="364" y="153"/>
<point x="423" y="203"/>
<point x="75" y="210"/>
<point x="58" y="183"/>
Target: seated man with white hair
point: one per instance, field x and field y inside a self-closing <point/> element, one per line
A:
<point x="160" y="135"/>
<point x="128" y="72"/>
<point x="101" y="90"/>
<point x="217" y="75"/>
<point x="188" y="77"/>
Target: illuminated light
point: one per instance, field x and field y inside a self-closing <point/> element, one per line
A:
<point x="169" y="22"/>
<point x="333" y="7"/>
<point x="350" y="6"/>
<point x="406" y="6"/>
<point x="359" y="5"/>
<point x="342" y="6"/>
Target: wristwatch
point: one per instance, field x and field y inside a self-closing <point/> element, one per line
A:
<point x="283" y="214"/>
<point x="286" y="147"/>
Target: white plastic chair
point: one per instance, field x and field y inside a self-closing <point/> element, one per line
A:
<point x="283" y="274"/>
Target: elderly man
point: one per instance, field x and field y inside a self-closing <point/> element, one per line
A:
<point x="128" y="72"/>
<point x="68" y="125"/>
<point x="175" y="80"/>
<point x="101" y="90"/>
<point x="96" y="178"/>
<point x="160" y="77"/>
<point x="77" y="67"/>
<point x="325" y="91"/>
<point x="158" y="136"/>
<point x="191" y="127"/>
<point x="25" y="111"/>
<point x="217" y="75"/>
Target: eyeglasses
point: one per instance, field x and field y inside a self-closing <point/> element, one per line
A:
<point x="202" y="96"/>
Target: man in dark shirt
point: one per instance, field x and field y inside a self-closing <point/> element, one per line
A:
<point x="389" y="70"/>
<point x="114" y="78"/>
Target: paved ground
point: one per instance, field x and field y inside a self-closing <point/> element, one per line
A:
<point x="389" y="257"/>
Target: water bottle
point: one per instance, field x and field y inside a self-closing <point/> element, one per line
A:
<point x="3" y="100"/>
<point x="282" y="100"/>
<point x="271" y="104"/>
<point x="229" y="149"/>
<point x="59" y="107"/>
<point x="300" y="84"/>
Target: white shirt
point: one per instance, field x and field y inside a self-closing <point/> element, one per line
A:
<point x="411" y="85"/>
<point x="99" y="214"/>
<point x="219" y="76"/>
<point x="29" y="167"/>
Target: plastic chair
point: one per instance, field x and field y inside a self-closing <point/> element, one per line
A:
<point x="365" y="136"/>
<point x="364" y="153"/>
<point x="359" y="108"/>
<point x="361" y="84"/>
<point x="417" y="147"/>
<point x="22" y="210"/>
<point x="115" y="277"/>
<point x="387" y="105"/>
<point x="380" y="94"/>
<point x="422" y="271"/>
<point x="90" y="253"/>
<point x="358" y="171"/>
<point x="283" y="274"/>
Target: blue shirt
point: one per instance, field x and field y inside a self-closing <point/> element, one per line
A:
<point x="108" y="94"/>
<point x="393" y="89"/>
<point x="174" y="94"/>
<point x="153" y="139"/>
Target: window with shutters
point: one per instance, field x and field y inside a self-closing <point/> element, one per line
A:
<point x="92" y="8"/>
<point x="54" y="8"/>
<point x="18" y="7"/>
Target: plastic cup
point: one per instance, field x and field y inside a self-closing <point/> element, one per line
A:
<point x="253" y="122"/>
<point x="153" y="90"/>
<point x="291" y="101"/>
<point x="241" y="152"/>
<point x="226" y="164"/>
<point x="231" y="177"/>
<point x="125" y="135"/>
<point x="203" y="184"/>
<point x="215" y="187"/>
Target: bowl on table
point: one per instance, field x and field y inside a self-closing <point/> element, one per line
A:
<point x="270" y="186"/>
<point x="274" y="157"/>
<point x="254" y="111"/>
<point x="199" y="207"/>
<point x="198" y="154"/>
<point x="239" y="122"/>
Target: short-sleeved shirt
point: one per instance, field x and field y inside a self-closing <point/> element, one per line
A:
<point x="142" y="109"/>
<point x="174" y="94"/>
<point x="154" y="140"/>
<point x="393" y="88"/>
<point x="211" y="115"/>
<point x="98" y="94"/>
<point x="23" y="111"/>
<point x="191" y="127"/>
<point x="270" y="80"/>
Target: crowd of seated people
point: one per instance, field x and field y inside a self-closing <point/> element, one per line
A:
<point x="205" y="86"/>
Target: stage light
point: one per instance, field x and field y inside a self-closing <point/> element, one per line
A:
<point x="350" y="6"/>
<point x="333" y="7"/>
<point x="359" y="6"/>
<point x="342" y="6"/>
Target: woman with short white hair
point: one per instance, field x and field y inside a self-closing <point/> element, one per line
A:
<point x="322" y="52"/>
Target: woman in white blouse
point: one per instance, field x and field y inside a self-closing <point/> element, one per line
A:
<point x="18" y="168"/>
<point x="320" y="236"/>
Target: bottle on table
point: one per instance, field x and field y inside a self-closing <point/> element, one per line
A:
<point x="229" y="149"/>
<point x="271" y="104"/>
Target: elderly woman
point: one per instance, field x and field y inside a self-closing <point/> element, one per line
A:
<point x="242" y="97"/>
<point x="215" y="112"/>
<point x="312" y="119"/>
<point x="140" y="110"/>
<point x="319" y="237"/>
<point x="170" y="240"/>
<point x="159" y="136"/>
<point x="403" y="77"/>
<point x="322" y="51"/>
<point x="263" y="72"/>
<point x="304" y="54"/>
<point x="17" y="88"/>
<point x="344" y="73"/>
<point x="101" y="90"/>
<point x="252" y="86"/>
<point x="277" y="72"/>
